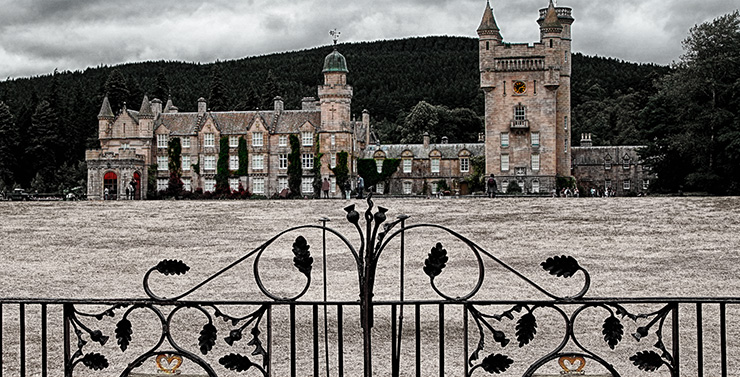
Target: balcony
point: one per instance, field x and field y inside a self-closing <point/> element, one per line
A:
<point x="519" y="124"/>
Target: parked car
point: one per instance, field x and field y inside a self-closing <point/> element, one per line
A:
<point x="20" y="195"/>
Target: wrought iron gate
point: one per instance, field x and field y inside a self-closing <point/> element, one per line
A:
<point x="485" y="333"/>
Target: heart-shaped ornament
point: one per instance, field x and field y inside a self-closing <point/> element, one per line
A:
<point x="169" y="363"/>
<point x="572" y="364"/>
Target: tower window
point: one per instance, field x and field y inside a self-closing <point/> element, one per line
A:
<point x="550" y="43"/>
<point x="520" y="113"/>
<point x="487" y="46"/>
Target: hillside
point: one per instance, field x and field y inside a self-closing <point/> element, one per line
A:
<point x="389" y="78"/>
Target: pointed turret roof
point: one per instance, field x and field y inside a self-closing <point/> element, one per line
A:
<point x="105" y="110"/>
<point x="146" y="108"/>
<point x="169" y="105"/>
<point x="551" y="23"/>
<point x="488" y="24"/>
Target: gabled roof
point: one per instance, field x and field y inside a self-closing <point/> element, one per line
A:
<point x="420" y="151"/>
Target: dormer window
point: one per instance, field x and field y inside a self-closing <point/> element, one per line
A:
<point x="209" y="140"/>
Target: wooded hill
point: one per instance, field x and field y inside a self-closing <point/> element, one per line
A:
<point x="58" y="112"/>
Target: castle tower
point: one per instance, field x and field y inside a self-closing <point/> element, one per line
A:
<point x="146" y="119"/>
<point x="335" y="96"/>
<point x="527" y="101"/>
<point x="105" y="119"/>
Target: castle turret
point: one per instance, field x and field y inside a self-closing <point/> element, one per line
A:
<point x="488" y="29"/>
<point x="105" y="119"/>
<point x="146" y="118"/>
<point x="335" y="96"/>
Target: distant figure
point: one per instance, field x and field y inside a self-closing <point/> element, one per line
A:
<point x="128" y="192"/>
<point x="360" y="187"/>
<point x="491" y="186"/>
<point x="325" y="188"/>
<point x="105" y="193"/>
<point x="347" y="189"/>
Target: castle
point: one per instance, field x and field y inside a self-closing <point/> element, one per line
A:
<point x="527" y="136"/>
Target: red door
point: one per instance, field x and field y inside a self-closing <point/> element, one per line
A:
<point x="137" y="186"/>
<point x="110" y="186"/>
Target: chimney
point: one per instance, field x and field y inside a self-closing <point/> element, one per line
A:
<point x="308" y="103"/>
<point x="279" y="104"/>
<point x="366" y="124"/>
<point x="586" y="140"/>
<point x="174" y="109"/>
<point x="426" y="139"/>
<point x="201" y="106"/>
<point x="156" y="107"/>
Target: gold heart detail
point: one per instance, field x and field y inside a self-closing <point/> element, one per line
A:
<point x="572" y="361"/>
<point x="173" y="362"/>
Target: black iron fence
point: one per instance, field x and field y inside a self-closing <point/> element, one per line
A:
<point x="450" y="334"/>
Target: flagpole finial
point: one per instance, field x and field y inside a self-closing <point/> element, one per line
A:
<point x="335" y="35"/>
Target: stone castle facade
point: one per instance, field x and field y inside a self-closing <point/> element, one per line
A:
<point x="527" y="135"/>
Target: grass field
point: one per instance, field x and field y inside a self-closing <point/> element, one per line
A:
<point x="632" y="247"/>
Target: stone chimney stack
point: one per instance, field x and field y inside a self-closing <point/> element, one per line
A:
<point x="279" y="104"/>
<point x="426" y="139"/>
<point x="202" y="107"/>
<point x="156" y="107"/>
<point x="586" y="140"/>
<point x="308" y="103"/>
<point x="366" y="125"/>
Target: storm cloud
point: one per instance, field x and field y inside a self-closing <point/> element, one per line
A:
<point x="38" y="36"/>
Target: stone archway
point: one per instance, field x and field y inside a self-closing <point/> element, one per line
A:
<point x="110" y="184"/>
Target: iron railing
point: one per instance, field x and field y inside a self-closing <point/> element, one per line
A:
<point x="466" y="334"/>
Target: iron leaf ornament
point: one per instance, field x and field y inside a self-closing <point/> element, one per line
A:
<point x="207" y="338"/>
<point x="172" y="267"/>
<point x="123" y="333"/>
<point x="95" y="361"/>
<point x="497" y="363"/>
<point x="647" y="360"/>
<point x="562" y="266"/>
<point x="236" y="362"/>
<point x="302" y="260"/>
<point x="436" y="262"/>
<point x="526" y="328"/>
<point x="613" y="331"/>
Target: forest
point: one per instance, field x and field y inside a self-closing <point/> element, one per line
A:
<point x="47" y="122"/>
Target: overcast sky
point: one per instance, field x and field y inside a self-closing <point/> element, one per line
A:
<point x="37" y="36"/>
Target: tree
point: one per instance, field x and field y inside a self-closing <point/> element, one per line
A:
<point x="222" y="167"/>
<point x="694" y="117"/>
<point x="243" y="157"/>
<point x="174" y="151"/>
<point x="422" y="118"/>
<point x="151" y="182"/>
<point x="270" y="90"/>
<point x="341" y="171"/>
<point x="43" y="144"/>
<point x="161" y="87"/>
<point x="218" y="97"/>
<point x="9" y="142"/>
<point x="295" y="169"/>
<point x="117" y="90"/>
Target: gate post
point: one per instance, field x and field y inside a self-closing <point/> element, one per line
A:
<point x="67" y="365"/>
<point x="675" y="342"/>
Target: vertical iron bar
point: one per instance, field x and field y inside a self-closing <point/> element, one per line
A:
<point x="417" y="314"/>
<point x="465" y="339"/>
<point x="326" y="325"/>
<point x="441" y="340"/>
<point x="268" y="362"/>
<point x="43" y="341"/>
<point x="315" y="340"/>
<point x="394" y="362"/>
<point x="292" y="340"/>
<point x="340" y="341"/>
<point x="67" y="362"/>
<point x="699" y="342"/>
<point x="1" y="340"/>
<point x="723" y="338"/>
<point x="397" y="354"/>
<point x="22" y="326"/>
<point x="676" y="348"/>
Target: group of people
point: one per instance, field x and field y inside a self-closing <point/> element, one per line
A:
<point x="326" y="186"/>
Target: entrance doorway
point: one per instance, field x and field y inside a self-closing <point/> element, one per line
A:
<point x="110" y="186"/>
<point x="137" y="186"/>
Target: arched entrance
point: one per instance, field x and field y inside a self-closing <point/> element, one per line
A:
<point x="136" y="182"/>
<point x="110" y="185"/>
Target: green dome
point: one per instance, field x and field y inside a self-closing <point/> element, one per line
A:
<point x="335" y="62"/>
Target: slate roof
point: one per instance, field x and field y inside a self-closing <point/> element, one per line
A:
<point x="236" y="122"/>
<point x="420" y="151"/>
<point x="178" y="123"/>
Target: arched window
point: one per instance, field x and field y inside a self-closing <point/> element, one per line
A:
<point x="110" y="186"/>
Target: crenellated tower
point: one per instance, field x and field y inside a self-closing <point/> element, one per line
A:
<point x="527" y="101"/>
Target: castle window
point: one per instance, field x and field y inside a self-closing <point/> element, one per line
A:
<point x="333" y="141"/>
<point x="535" y="186"/>
<point x="258" y="186"/>
<point x="161" y="184"/>
<point x="186" y="184"/>
<point x="566" y="145"/>
<point x="162" y="163"/>
<point x="535" y="136"/>
<point x="283" y="141"/>
<point x="333" y="161"/>
<point x="504" y="139"/>
<point x="565" y="123"/>
<point x="535" y="162"/>
<point x="550" y="43"/>
<point x="258" y="162"/>
<point x="520" y="113"/>
<point x="379" y="187"/>
<point x="626" y="185"/>
<point x="282" y="183"/>
<point x="307" y="185"/>
<point x="162" y="141"/>
<point x="209" y="162"/>
<point x="487" y="45"/>
<point x="407" y="188"/>
<point x="233" y="141"/>
<point x="566" y="56"/>
<point x="185" y="162"/>
<point x="307" y="160"/>
<point x="464" y="164"/>
<point x="608" y="183"/>
<point x="234" y="184"/>
<point x="435" y="165"/>
<point x="282" y="161"/>
<point x="307" y="138"/>
<point x="626" y="164"/>
<point x="379" y="165"/>
<point x="257" y="140"/>
<point x="185" y="142"/>
<point x="233" y="162"/>
<point x="645" y="184"/>
<point x="504" y="162"/>
<point x="209" y="140"/>
<point x="407" y="165"/>
<point x="209" y="185"/>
